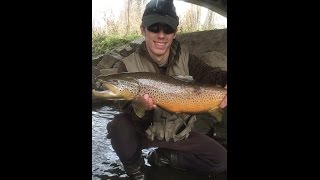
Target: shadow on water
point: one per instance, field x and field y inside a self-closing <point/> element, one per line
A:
<point x="106" y="164"/>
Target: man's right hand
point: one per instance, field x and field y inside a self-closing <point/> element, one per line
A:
<point x="146" y="101"/>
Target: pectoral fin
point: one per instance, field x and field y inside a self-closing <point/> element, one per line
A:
<point x="139" y="110"/>
<point x="217" y="113"/>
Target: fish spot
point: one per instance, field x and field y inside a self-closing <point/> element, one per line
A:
<point x="197" y="90"/>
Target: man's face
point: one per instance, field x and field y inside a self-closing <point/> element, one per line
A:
<point x="158" y="38"/>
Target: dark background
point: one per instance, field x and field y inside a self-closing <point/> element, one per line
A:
<point x="46" y="90"/>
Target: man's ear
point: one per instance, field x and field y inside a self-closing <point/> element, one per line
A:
<point x="175" y="35"/>
<point x="143" y="30"/>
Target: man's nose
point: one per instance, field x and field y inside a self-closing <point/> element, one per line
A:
<point x="161" y="33"/>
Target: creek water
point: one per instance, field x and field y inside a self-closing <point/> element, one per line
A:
<point x="105" y="162"/>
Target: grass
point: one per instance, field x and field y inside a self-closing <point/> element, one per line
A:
<point x="102" y="43"/>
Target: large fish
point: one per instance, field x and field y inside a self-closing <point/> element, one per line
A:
<point x="167" y="92"/>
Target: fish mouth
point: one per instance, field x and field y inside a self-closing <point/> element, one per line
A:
<point x="113" y="87"/>
<point x="104" y="86"/>
<point x="106" y="89"/>
<point x="106" y="94"/>
<point x="99" y="86"/>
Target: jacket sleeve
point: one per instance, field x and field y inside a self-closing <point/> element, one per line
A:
<point x="205" y="73"/>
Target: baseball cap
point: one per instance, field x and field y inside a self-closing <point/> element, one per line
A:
<point x="160" y="11"/>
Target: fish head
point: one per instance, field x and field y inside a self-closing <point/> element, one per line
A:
<point x="125" y="87"/>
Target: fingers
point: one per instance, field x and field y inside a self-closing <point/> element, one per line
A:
<point x="223" y="103"/>
<point x="147" y="102"/>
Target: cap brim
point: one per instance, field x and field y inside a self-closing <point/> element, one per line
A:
<point x="157" y="18"/>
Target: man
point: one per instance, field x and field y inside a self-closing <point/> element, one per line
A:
<point x="129" y="134"/>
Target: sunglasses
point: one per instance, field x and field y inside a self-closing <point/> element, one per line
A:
<point x="155" y="28"/>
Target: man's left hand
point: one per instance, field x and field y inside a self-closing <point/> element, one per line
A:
<point x="223" y="103"/>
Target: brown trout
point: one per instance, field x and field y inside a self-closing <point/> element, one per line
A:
<point x="168" y="93"/>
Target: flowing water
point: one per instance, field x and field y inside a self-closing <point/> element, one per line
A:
<point x="105" y="162"/>
<point x="104" y="159"/>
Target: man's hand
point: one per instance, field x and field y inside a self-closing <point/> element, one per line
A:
<point x="223" y="103"/>
<point x="146" y="101"/>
